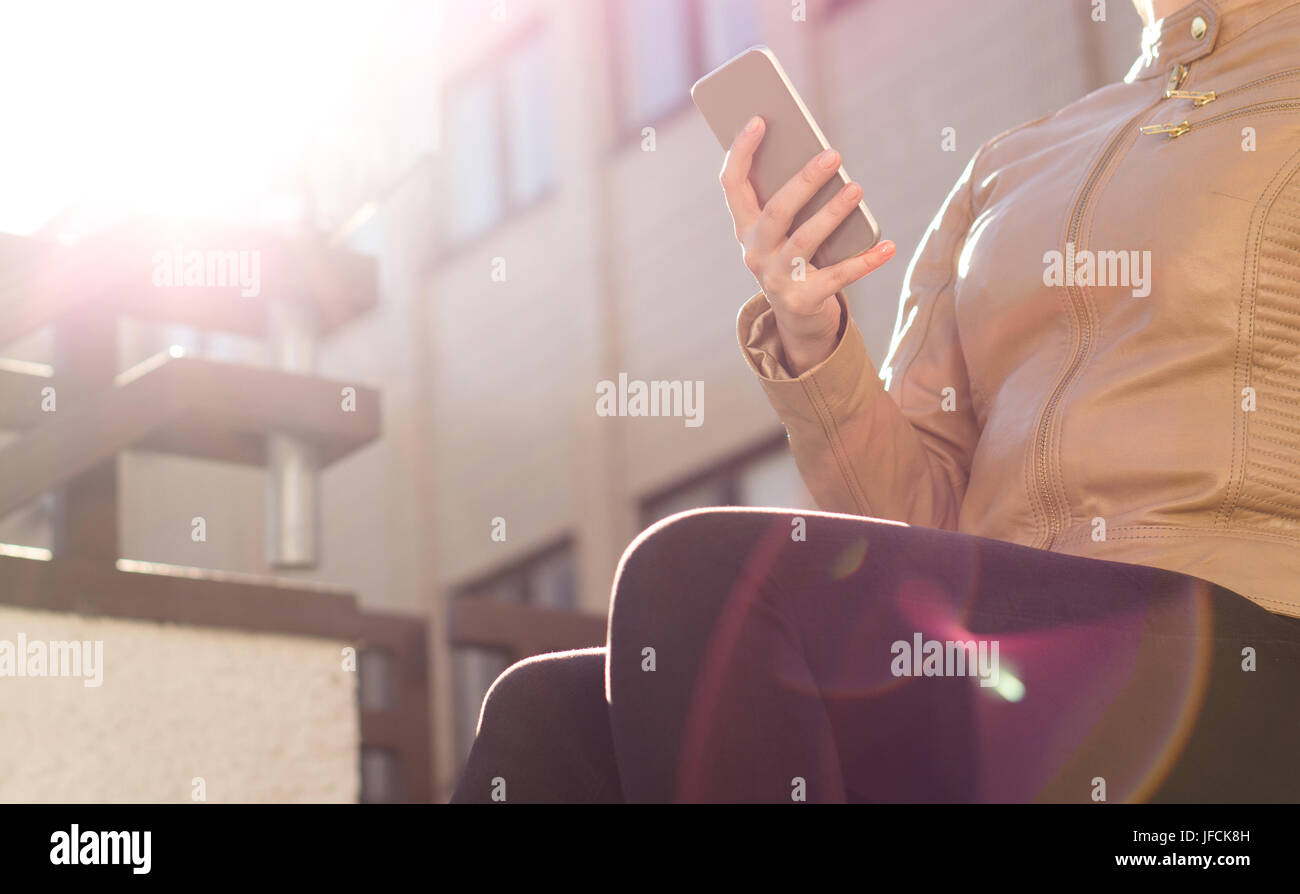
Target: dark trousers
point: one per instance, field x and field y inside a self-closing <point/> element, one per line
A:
<point x="762" y="655"/>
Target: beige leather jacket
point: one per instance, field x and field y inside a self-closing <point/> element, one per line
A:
<point x="1134" y="398"/>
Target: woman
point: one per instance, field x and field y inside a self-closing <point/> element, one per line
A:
<point x="1089" y="420"/>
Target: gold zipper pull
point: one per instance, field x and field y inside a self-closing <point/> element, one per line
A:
<point x="1176" y="76"/>
<point x="1174" y="130"/>
<point x="1197" y="97"/>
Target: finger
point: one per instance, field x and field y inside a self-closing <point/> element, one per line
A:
<point x="778" y="213"/>
<point x="735" y="176"/>
<point x="831" y="279"/>
<point x="805" y="241"/>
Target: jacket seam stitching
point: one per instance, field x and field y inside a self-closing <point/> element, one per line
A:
<point x="830" y="426"/>
<point x="1033" y="497"/>
<point x="1093" y="325"/>
<point x="1171" y="532"/>
<point x="1267" y="502"/>
<point x="1249" y="297"/>
<point x="1210" y="125"/>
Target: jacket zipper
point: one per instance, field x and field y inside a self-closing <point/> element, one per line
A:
<point x="1042" y="437"/>
<point x="1177" y="129"/>
<point x="1200" y="98"/>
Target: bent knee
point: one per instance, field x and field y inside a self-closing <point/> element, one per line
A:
<point x="667" y="554"/>
<point x="678" y="573"/>
<point x="543" y="685"/>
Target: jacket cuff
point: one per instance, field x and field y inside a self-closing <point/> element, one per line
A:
<point x="838" y="382"/>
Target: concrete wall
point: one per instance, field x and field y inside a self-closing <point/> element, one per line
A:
<point x="261" y="718"/>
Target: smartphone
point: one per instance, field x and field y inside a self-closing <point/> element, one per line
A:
<point x="753" y="83"/>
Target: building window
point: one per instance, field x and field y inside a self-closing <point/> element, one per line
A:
<point x="475" y="669"/>
<point x="545" y="580"/>
<point x="474" y="127"/>
<point x="771" y="479"/>
<point x="552" y="582"/>
<point x="528" y="123"/>
<point x="381" y="776"/>
<point x="728" y="26"/>
<point x="662" y="46"/>
<point x="763" y="476"/>
<point x="656" y="39"/>
<point x="501" y="147"/>
<point x="376" y="679"/>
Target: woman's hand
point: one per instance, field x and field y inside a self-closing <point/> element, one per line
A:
<point x="807" y="312"/>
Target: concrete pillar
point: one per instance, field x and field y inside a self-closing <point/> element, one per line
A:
<point x="293" y="464"/>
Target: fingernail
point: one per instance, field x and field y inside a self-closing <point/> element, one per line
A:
<point x="827" y="159"/>
<point x="852" y="192"/>
<point x="887" y="248"/>
<point x="754" y="124"/>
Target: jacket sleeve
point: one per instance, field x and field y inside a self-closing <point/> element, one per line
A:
<point x="894" y="444"/>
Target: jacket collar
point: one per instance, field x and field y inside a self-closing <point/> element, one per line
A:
<point x="1174" y="38"/>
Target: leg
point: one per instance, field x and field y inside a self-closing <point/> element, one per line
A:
<point x="772" y="667"/>
<point x="544" y="734"/>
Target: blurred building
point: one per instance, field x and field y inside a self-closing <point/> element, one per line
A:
<point x="571" y="152"/>
<point x="559" y="226"/>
